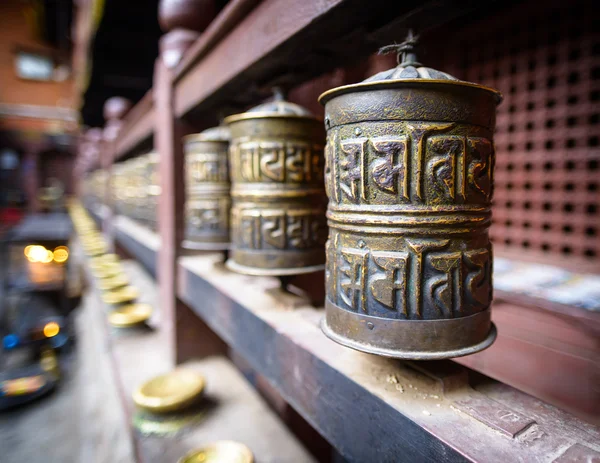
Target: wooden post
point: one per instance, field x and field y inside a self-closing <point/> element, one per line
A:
<point x="182" y="21"/>
<point x="171" y="200"/>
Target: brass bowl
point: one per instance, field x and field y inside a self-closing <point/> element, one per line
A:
<point x="120" y="296"/>
<point x="112" y="283"/>
<point x="96" y="264"/>
<point x="170" y="392"/>
<point x="130" y="315"/>
<point x="223" y="451"/>
<point x="93" y="238"/>
<point x="110" y="258"/>
<point x="96" y="250"/>
<point x="116" y="266"/>
<point x="104" y="273"/>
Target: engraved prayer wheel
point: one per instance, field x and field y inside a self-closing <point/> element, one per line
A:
<point x="409" y="176"/>
<point x="208" y="200"/>
<point x="278" y="212"/>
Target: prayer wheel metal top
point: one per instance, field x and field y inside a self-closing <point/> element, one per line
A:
<point x="278" y="211"/>
<point x="208" y="200"/>
<point x="409" y="176"/>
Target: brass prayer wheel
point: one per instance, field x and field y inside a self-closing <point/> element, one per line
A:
<point x="409" y="176"/>
<point x="278" y="211"/>
<point x="208" y="199"/>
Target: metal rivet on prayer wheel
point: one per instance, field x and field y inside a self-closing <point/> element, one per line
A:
<point x="409" y="174"/>
<point x="208" y="200"/>
<point x="278" y="212"/>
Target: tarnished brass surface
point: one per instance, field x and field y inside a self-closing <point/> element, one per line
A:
<point x="278" y="212"/>
<point x="130" y="315"/>
<point x="170" y="392"/>
<point x="220" y="452"/>
<point x="208" y="200"/>
<point x="409" y="175"/>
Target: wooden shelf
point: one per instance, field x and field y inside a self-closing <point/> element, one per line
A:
<point x="139" y="241"/>
<point x="138" y="127"/>
<point x="238" y="413"/>
<point x="286" y="42"/>
<point x="205" y="81"/>
<point x="568" y="336"/>
<point x="345" y="394"/>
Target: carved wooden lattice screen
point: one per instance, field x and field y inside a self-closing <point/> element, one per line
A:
<point x="547" y="65"/>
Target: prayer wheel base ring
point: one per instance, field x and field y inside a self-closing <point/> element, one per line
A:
<point x="409" y="339"/>
<point x="271" y="272"/>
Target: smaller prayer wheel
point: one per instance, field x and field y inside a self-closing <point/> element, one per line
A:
<point x="208" y="200"/>
<point x="409" y="175"/>
<point x="278" y="212"/>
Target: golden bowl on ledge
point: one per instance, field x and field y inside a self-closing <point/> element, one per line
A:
<point x="130" y="315"/>
<point x="170" y="392"/>
<point x="96" y="250"/>
<point x="120" y="296"/>
<point x="110" y="258"/>
<point x="224" y="451"/>
<point x="113" y="283"/>
<point x="105" y="273"/>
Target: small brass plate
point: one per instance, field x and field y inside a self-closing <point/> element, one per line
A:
<point x="96" y="264"/>
<point x="170" y="392"/>
<point x="224" y="451"/>
<point x="96" y="250"/>
<point x="94" y="242"/>
<point x="110" y="258"/>
<point x="120" y="296"/>
<point x="110" y="284"/>
<point x="112" y="266"/>
<point x="108" y="273"/>
<point x="130" y="315"/>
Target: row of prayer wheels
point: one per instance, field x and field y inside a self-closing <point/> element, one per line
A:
<point x="135" y="188"/>
<point x="407" y="157"/>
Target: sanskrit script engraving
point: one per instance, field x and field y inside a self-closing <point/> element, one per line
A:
<point x="207" y="168"/>
<point x="208" y="215"/>
<point x="278" y="229"/>
<point x="424" y="281"/>
<point x="425" y="164"/>
<point x="277" y="161"/>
